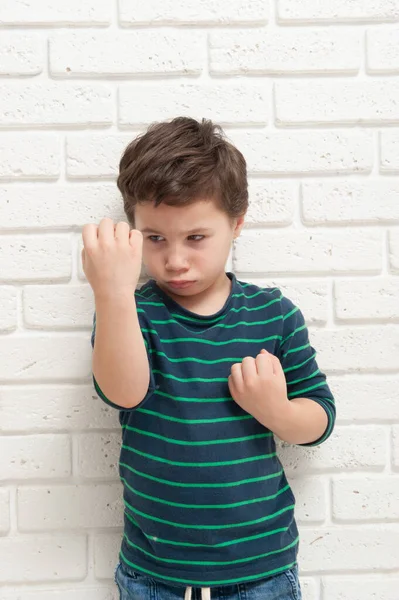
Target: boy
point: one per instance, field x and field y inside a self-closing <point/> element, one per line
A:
<point x="204" y="369"/>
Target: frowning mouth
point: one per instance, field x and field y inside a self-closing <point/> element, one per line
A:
<point x="180" y="284"/>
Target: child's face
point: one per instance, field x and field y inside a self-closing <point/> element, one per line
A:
<point x="186" y="243"/>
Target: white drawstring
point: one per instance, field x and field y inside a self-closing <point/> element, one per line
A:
<point x="205" y="593"/>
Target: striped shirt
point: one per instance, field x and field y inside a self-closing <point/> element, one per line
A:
<point x="206" y="499"/>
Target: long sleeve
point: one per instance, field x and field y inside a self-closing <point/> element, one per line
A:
<point x="298" y="358"/>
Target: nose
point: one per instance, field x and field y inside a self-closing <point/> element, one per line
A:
<point x="175" y="261"/>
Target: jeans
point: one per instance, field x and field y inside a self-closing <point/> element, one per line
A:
<point x="136" y="586"/>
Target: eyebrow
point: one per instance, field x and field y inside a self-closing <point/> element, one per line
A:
<point x="149" y="230"/>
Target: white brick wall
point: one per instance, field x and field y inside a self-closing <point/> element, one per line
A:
<point x="296" y="51"/>
<point x="337" y="102"/>
<point x="127" y="53"/>
<point x="308" y="90"/>
<point x="193" y="12"/>
<point x="338" y="11"/>
<point x="230" y="103"/>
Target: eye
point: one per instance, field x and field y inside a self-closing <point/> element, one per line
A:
<point x="150" y="237"/>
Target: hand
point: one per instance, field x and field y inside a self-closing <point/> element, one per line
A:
<point x="112" y="257"/>
<point x="258" y="385"/>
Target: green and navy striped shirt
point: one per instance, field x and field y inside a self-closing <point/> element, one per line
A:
<point x="206" y="499"/>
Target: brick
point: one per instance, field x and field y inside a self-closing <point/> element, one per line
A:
<point x="350" y="549"/>
<point x="46" y="104"/>
<point x="301" y="252"/>
<point x="310" y="296"/>
<point x="43" y="558"/>
<point x="34" y="456"/>
<point x="54" y="408"/>
<point x="69" y="506"/>
<point x="358" y="349"/>
<point x="21" y="54"/>
<point x="394" y="251"/>
<point x="4" y="511"/>
<point x="383" y="51"/>
<point x="395" y="446"/>
<point x="271" y="202"/>
<point x="64" y="593"/>
<point x="95" y="156"/>
<point x="348" y="448"/>
<point x="338" y="11"/>
<point x="375" y="299"/>
<point x="8" y="303"/>
<point x="346" y="102"/>
<point x="356" y="398"/>
<point x="106" y="554"/>
<point x="389" y="162"/>
<point x="98" y="454"/>
<point x="35" y="258"/>
<point x="75" y="12"/>
<point x="361" y="587"/>
<point x="367" y="498"/>
<point x="47" y="206"/>
<point x="285" y="51"/>
<point x="306" y="152"/>
<point x="228" y="104"/>
<point x="311" y="499"/>
<point x="341" y="202"/>
<point x="58" y="306"/>
<point x="51" y="358"/>
<point x="29" y="156"/>
<point x="196" y="12"/>
<point x="309" y="588"/>
<point x="150" y="53"/>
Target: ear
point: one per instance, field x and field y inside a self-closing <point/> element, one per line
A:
<point x="238" y="225"/>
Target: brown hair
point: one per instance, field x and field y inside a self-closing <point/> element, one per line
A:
<point x="181" y="161"/>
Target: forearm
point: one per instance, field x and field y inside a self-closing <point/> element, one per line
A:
<point x="120" y="363"/>
<point x="303" y="421"/>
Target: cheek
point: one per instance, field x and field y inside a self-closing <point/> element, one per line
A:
<point x="147" y="258"/>
<point x="150" y="253"/>
<point x="220" y="248"/>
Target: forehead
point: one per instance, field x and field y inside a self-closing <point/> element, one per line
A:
<point x="202" y="214"/>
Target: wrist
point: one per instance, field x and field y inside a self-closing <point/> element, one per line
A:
<point x="283" y="423"/>
<point x="120" y="297"/>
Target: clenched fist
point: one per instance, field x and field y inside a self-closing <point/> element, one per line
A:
<point x="259" y="386"/>
<point x="111" y="257"/>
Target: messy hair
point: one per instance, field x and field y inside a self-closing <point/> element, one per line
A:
<point x="181" y="161"/>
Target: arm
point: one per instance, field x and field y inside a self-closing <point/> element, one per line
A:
<point x="303" y="422"/>
<point x="121" y="371"/>
<point x="309" y="417"/>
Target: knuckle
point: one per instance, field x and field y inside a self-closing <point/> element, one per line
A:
<point x="90" y="250"/>
<point x="106" y="245"/>
<point x="88" y="228"/>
